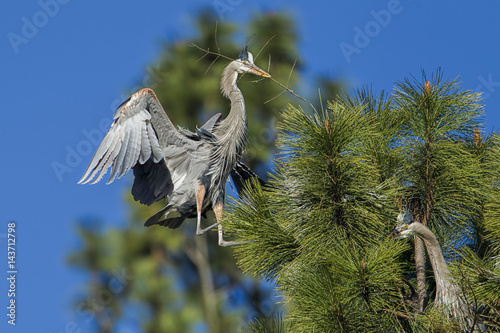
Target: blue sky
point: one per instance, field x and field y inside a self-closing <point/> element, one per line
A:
<point x="65" y="64"/>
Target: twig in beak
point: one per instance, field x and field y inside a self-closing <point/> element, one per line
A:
<point x="218" y="54"/>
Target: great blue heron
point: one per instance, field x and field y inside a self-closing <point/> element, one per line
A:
<point x="188" y="169"/>
<point x="448" y="294"/>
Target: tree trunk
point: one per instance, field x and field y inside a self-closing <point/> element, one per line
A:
<point x="104" y="323"/>
<point x="199" y="256"/>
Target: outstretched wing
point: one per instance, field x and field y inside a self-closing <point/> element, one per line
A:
<point x="138" y="138"/>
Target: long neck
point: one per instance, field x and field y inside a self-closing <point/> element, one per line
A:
<point x="441" y="271"/>
<point x="231" y="133"/>
<point x="448" y="293"/>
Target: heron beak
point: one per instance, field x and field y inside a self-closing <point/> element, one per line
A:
<point x="257" y="71"/>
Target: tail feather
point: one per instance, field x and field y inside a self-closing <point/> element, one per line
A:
<point x="242" y="173"/>
<point x="167" y="217"/>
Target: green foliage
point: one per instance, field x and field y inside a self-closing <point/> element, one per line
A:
<point x="325" y="178"/>
<point x="487" y="219"/>
<point x="480" y="280"/>
<point x="274" y="324"/>
<point x="353" y="288"/>
<point x="439" y="172"/>
<point x="263" y="256"/>
<point x="319" y="228"/>
<point x="388" y="124"/>
<point x="441" y="111"/>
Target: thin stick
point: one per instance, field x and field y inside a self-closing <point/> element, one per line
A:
<point x="287" y="83"/>
<point x="398" y="314"/>
<point x="262" y="48"/>
<point x="290" y="74"/>
<point x="287" y="89"/>
<point x="210" y="52"/>
<point x="272" y="99"/>
<point x="228" y="58"/>
<point x="211" y="64"/>
<point x="203" y="56"/>
<point x="217" y="46"/>
<point x="215" y="36"/>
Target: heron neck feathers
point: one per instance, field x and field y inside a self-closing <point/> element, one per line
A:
<point x="228" y="81"/>
<point x="444" y="284"/>
<point x="230" y="133"/>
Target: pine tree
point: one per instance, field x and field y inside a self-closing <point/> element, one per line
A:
<point x="320" y="228"/>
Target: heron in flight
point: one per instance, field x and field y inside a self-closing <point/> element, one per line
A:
<point x="448" y="294"/>
<point x="188" y="169"/>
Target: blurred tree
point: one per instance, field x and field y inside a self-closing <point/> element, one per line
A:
<point x="176" y="281"/>
<point x="320" y="230"/>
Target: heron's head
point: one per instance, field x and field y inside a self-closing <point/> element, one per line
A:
<point x="404" y="227"/>
<point x="403" y="231"/>
<point x="246" y="65"/>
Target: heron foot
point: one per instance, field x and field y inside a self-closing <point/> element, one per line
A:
<point x="200" y="231"/>
<point x="224" y="243"/>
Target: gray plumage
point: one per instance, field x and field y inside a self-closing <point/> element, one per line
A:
<point x="448" y="294"/>
<point x="187" y="168"/>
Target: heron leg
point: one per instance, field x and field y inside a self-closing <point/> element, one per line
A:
<point x="200" y="195"/>
<point x="218" y="215"/>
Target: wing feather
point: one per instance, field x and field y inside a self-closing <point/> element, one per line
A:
<point x="98" y="156"/>
<point x="107" y="159"/>
<point x="144" y="139"/>
<point x="139" y="130"/>
<point x="135" y="147"/>
<point x="145" y="145"/>
<point x="116" y="168"/>
<point x="155" y="146"/>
